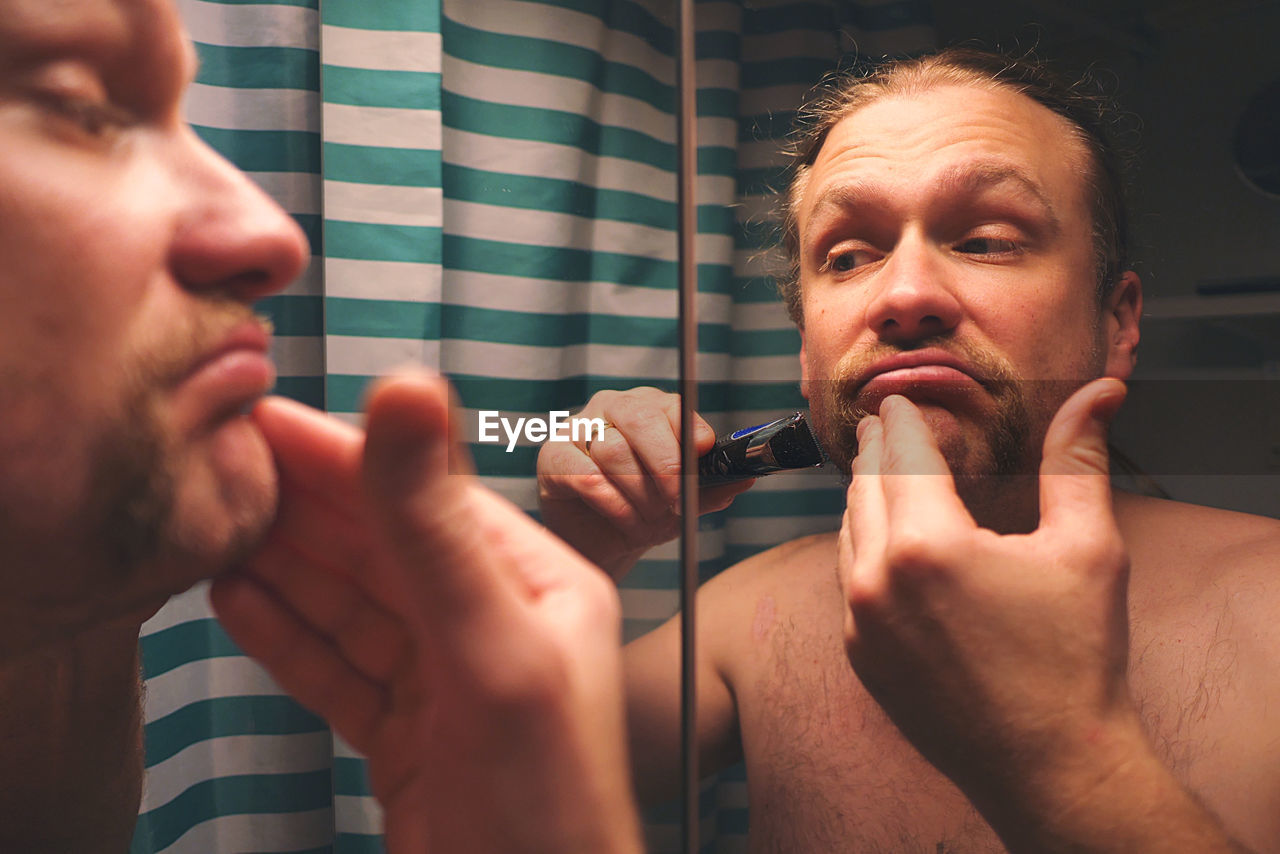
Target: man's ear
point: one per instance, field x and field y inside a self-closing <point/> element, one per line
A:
<point x="804" y="368"/>
<point x="1121" y="316"/>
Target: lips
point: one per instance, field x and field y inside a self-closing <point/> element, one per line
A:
<point x="930" y="371"/>
<point x="229" y="377"/>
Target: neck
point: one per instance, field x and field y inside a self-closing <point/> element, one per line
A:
<point x="1006" y="504"/>
<point x="70" y="732"/>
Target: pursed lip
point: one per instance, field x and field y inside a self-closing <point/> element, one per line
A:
<point x="228" y="377"/>
<point x="920" y="366"/>
<point x="249" y="338"/>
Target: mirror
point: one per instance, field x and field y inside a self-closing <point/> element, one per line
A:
<point x="547" y="272"/>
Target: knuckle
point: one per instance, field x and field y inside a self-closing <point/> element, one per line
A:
<point x="611" y="452"/>
<point x="594" y="483"/>
<point x="602" y="399"/>
<point x="632" y="412"/>
<point x="866" y="600"/>
<point x="612" y="402"/>
<point x="561" y="486"/>
<point x="860" y="489"/>
<point x="910" y="550"/>
<point x="860" y="595"/>
<point x="603" y="495"/>
<point x="668" y="469"/>
<point x="550" y="458"/>
<point x="1103" y="553"/>
<point x="649" y="393"/>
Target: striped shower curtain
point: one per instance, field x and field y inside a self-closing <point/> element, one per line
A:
<point x="489" y="188"/>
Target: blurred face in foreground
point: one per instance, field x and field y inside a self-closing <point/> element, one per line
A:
<point x="128" y="353"/>
<point x="946" y="254"/>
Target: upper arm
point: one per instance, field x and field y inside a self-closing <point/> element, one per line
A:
<point x="652" y="668"/>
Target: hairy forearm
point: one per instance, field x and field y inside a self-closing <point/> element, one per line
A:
<point x="70" y="737"/>
<point x="1121" y="800"/>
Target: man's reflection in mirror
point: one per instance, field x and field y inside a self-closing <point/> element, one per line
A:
<point x="1038" y="663"/>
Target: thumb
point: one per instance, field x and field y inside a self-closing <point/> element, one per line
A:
<point x="704" y="435"/>
<point x="1075" y="470"/>
<point x="418" y="485"/>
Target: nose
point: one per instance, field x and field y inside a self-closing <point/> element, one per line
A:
<point x="913" y="300"/>
<point x="231" y="238"/>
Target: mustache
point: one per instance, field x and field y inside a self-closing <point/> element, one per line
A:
<point x="989" y="370"/>
<point x="192" y="339"/>
<point x="838" y="403"/>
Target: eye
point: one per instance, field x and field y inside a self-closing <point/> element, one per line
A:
<point x="95" y="118"/>
<point x="848" y="260"/>
<point x="99" y="120"/>
<point x="986" y="246"/>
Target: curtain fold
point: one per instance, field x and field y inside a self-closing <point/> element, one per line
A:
<point x="489" y="188"/>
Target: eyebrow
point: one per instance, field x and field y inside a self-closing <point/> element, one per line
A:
<point x="973" y="180"/>
<point x="60" y="30"/>
<point x="963" y="180"/>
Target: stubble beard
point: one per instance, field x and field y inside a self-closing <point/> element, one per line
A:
<point x="131" y="509"/>
<point x="997" y="475"/>
<point x="1002" y="409"/>
<point x="106" y="509"/>
<point x="131" y="494"/>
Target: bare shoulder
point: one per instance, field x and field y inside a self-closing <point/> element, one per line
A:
<point x="776" y="571"/>
<point x="741" y="602"/>
<point x="1205" y="652"/>
<point x="1193" y="533"/>
<point x="1195" y="551"/>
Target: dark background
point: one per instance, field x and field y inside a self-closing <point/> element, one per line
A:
<point x="1204" y="414"/>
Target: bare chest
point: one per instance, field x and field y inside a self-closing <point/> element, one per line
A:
<point x="828" y="771"/>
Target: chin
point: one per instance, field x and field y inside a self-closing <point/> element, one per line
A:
<point x="224" y="502"/>
<point x="153" y="514"/>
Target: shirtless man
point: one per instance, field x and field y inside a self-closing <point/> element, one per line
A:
<point x="129" y="470"/>
<point x="1088" y="670"/>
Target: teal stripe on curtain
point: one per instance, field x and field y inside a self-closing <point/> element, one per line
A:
<point x="489" y="188"/>
<point x="168" y="649"/>
<point x="251" y="796"/>
<point x="258" y="67"/>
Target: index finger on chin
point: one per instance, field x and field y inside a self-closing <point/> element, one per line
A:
<point x="866" y="517"/>
<point x="917" y="480"/>
<point x="312" y="450"/>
